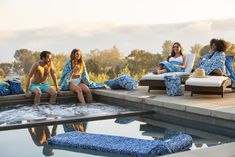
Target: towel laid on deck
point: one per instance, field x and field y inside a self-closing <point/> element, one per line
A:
<point x="121" y="145"/>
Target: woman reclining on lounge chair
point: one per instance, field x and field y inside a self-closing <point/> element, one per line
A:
<point x="176" y="62"/>
<point x="213" y="62"/>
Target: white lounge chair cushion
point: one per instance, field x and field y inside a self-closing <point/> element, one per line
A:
<point x="210" y="81"/>
<point x="190" y="62"/>
<point x="151" y="76"/>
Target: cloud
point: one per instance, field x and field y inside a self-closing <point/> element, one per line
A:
<point x="105" y="35"/>
<point x="223" y="25"/>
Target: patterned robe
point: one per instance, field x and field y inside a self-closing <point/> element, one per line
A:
<point x="67" y="77"/>
<point x="209" y="62"/>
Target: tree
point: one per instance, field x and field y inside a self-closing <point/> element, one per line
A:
<point x="2" y="74"/>
<point x="141" y="61"/>
<point x="93" y="66"/>
<point x="6" y="67"/>
<point x="195" y="49"/>
<point x="24" y="59"/>
<point x="166" y="49"/>
<point x="103" y="61"/>
<point x="17" y="68"/>
<point x="59" y="61"/>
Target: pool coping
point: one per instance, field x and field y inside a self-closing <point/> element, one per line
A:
<point x="165" y="103"/>
<point x="224" y="150"/>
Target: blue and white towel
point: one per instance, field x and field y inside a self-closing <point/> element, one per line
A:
<point x="67" y="76"/>
<point x="119" y="144"/>
<point x="173" y="85"/>
<point x="170" y="66"/>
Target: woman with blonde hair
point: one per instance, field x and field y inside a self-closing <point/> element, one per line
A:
<point x="75" y="77"/>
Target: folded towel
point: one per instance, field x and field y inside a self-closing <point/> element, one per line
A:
<point x="121" y="145"/>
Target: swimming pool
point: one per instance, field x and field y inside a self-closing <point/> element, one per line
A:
<point x="21" y="142"/>
<point x="30" y="141"/>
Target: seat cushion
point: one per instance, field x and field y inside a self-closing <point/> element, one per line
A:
<point x="210" y="81"/>
<point x="190" y="62"/>
<point x="77" y="141"/>
<point x="151" y="76"/>
<point x="113" y="84"/>
<point x="127" y="82"/>
<point x="4" y="89"/>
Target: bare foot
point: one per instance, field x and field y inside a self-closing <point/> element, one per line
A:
<point x="155" y="71"/>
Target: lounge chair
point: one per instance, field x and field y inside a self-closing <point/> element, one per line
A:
<point x="156" y="81"/>
<point x="208" y="85"/>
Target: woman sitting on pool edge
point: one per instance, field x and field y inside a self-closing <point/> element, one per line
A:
<point x="75" y="77"/>
<point x="176" y="62"/>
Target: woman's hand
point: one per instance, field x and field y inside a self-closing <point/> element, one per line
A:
<point x="75" y="76"/>
<point x="175" y="65"/>
<point x="58" y="92"/>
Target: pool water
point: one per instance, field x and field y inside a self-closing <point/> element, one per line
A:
<point x="22" y="114"/>
<point x="23" y="142"/>
<point x="32" y="141"/>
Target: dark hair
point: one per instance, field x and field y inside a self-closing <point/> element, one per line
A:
<point x="213" y="41"/>
<point x="221" y="45"/>
<point x="44" y="54"/>
<point x="173" y="52"/>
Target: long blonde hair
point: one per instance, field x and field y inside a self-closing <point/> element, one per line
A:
<point x="80" y="61"/>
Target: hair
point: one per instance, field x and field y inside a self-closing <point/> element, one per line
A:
<point x="44" y="54"/>
<point x="80" y="61"/>
<point x="173" y="52"/>
<point x="221" y="45"/>
<point x="213" y="41"/>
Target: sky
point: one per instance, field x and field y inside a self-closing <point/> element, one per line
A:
<point x="61" y="25"/>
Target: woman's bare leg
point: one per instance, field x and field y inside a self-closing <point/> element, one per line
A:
<point x="162" y="71"/>
<point x="87" y="92"/>
<point x="217" y="72"/>
<point x="78" y="90"/>
<point x="156" y="69"/>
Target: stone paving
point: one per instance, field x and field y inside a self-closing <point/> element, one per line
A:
<point x="209" y="105"/>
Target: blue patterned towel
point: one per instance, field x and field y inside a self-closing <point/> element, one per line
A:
<point x="173" y="85"/>
<point x="119" y="144"/>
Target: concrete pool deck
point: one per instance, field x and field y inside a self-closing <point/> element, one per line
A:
<point x="225" y="150"/>
<point x="211" y="109"/>
<point x="208" y="105"/>
<point x="218" y="110"/>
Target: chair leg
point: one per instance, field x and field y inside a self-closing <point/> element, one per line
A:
<point x="222" y="95"/>
<point x="149" y="89"/>
<point x="191" y="93"/>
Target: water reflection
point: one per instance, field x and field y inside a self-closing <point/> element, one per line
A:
<point x="156" y="131"/>
<point x="81" y="126"/>
<point x="40" y="135"/>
